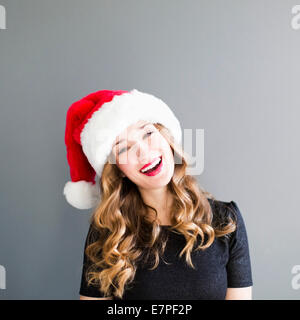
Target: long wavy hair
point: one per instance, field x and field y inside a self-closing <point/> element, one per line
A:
<point x="125" y="236"/>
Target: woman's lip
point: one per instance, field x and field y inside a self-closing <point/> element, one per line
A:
<point x="148" y="164"/>
<point x="156" y="171"/>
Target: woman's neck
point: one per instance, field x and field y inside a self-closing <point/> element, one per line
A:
<point x="161" y="200"/>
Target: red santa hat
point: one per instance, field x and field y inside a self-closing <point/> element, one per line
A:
<point x="92" y="125"/>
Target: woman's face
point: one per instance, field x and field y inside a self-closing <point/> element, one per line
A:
<point x="139" y="145"/>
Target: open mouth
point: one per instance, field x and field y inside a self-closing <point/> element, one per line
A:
<point x="153" y="168"/>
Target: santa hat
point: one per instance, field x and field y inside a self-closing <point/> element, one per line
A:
<point x="92" y="125"/>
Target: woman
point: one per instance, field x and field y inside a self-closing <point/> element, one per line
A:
<point x="154" y="233"/>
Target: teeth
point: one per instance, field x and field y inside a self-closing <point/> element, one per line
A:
<point x="151" y="166"/>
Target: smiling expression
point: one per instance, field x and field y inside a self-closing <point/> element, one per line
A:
<point x="144" y="155"/>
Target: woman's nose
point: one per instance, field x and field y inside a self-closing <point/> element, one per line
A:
<point x="142" y="150"/>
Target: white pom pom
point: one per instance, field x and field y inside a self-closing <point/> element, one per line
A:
<point x="82" y="194"/>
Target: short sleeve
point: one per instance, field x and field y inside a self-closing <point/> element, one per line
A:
<point x="239" y="273"/>
<point x="85" y="289"/>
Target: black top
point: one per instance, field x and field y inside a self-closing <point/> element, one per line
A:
<point x="225" y="264"/>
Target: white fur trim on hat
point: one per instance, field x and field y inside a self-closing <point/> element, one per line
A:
<point x="82" y="194"/>
<point x="100" y="131"/>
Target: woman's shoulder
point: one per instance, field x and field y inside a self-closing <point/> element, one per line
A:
<point x="224" y="210"/>
<point x="95" y="234"/>
<point x="219" y="205"/>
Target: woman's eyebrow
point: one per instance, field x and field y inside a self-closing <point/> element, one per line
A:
<point x="140" y="128"/>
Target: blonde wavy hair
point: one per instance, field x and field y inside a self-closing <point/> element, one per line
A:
<point x="123" y="234"/>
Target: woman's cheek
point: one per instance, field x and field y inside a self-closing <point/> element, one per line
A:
<point x="157" y="143"/>
<point x="128" y="169"/>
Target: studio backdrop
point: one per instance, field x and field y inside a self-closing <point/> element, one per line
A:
<point x="229" y="69"/>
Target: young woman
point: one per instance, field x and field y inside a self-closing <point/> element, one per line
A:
<point x="154" y="232"/>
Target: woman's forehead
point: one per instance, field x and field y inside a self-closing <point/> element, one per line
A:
<point x="138" y="125"/>
<point x="132" y="128"/>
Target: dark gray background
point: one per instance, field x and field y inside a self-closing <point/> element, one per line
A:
<point x="229" y="67"/>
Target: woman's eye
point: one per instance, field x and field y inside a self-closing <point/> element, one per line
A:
<point x="123" y="149"/>
<point x="149" y="133"/>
